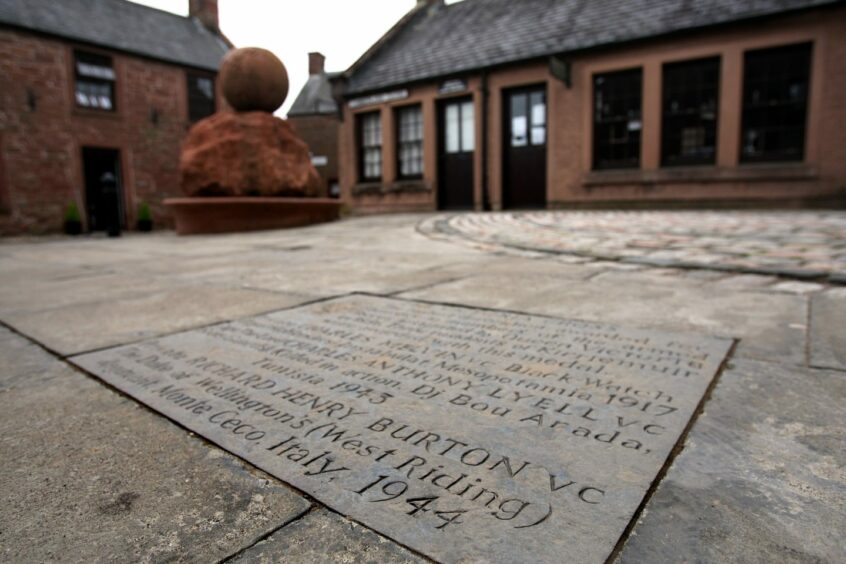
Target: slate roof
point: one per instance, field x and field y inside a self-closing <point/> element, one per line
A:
<point x="121" y="25"/>
<point x="315" y="98"/>
<point x="473" y="34"/>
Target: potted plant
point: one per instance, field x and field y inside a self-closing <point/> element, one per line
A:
<point x="145" y="217"/>
<point x="73" y="220"/>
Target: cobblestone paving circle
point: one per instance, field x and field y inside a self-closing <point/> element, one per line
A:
<point x="801" y="244"/>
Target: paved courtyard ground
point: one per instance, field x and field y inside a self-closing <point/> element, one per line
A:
<point x="88" y="474"/>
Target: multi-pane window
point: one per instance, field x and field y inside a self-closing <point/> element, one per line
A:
<point x="95" y="81"/>
<point x="459" y="124"/>
<point x="690" y="110"/>
<point x="370" y="146"/>
<point x="775" y="103"/>
<point x="201" y="100"/>
<point x="410" y="142"/>
<point x="617" y="99"/>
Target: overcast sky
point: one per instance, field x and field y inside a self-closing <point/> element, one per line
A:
<point x="340" y="29"/>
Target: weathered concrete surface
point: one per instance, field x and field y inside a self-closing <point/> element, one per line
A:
<point x="323" y="536"/>
<point x="828" y="335"/>
<point x="761" y="478"/>
<point x="89" y="476"/>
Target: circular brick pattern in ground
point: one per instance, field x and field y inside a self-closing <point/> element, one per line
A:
<point x="807" y="245"/>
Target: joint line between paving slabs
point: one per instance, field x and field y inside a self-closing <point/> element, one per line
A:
<point x="32" y="340"/>
<point x="178" y="331"/>
<point x="314" y="504"/>
<point x="312" y="508"/>
<point x="808" y="320"/>
<point x="374" y="531"/>
<point x="423" y="287"/>
<point x="671" y="458"/>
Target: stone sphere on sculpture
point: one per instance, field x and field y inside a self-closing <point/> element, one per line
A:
<point x="253" y="80"/>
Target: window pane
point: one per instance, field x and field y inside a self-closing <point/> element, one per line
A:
<point x="538" y="109"/>
<point x="690" y="110"/>
<point x="453" y="129"/>
<point x="538" y="135"/>
<point x="617" y="119"/>
<point x="519" y="121"/>
<point x="95" y="81"/>
<point x="775" y="103"/>
<point x="468" y="127"/>
<point x="410" y="141"/>
<point x="95" y="71"/>
<point x="370" y="145"/>
<point x="538" y="105"/>
<point x="201" y="102"/>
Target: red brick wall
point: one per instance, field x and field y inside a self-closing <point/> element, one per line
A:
<point x="321" y="135"/>
<point x="570" y="178"/>
<point x="41" y="150"/>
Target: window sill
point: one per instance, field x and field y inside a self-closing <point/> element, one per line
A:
<point x="105" y="114"/>
<point x="702" y="174"/>
<point x="408" y="186"/>
<point x="397" y="187"/>
<point x="367" y="188"/>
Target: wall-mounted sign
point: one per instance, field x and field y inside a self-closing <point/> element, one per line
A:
<point x="378" y="99"/>
<point x="562" y="70"/>
<point x="452" y="86"/>
<point x="319" y="160"/>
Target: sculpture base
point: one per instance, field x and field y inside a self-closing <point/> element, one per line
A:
<point x="227" y="215"/>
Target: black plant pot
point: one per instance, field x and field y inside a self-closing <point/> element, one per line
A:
<point x="145" y="225"/>
<point x="73" y="227"/>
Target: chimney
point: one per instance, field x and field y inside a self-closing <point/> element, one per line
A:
<point x="206" y="12"/>
<point x="315" y="63"/>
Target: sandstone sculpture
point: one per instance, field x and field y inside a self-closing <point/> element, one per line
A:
<point x="248" y="151"/>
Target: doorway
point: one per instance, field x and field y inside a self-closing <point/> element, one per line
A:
<point x="524" y="150"/>
<point x="456" y="148"/>
<point x="103" y="188"/>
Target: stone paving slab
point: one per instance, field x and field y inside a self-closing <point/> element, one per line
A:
<point x="87" y="326"/>
<point x="463" y="379"/>
<point x="828" y="334"/>
<point x="89" y="476"/>
<point x="323" y="536"/>
<point x="761" y="478"/>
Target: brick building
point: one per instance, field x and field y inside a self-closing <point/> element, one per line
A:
<point x="563" y="103"/>
<point x="314" y="115"/>
<point x="96" y="87"/>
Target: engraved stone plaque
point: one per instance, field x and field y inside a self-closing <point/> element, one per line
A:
<point x="465" y="434"/>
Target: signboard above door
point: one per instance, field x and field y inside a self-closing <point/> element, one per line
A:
<point x="452" y="86"/>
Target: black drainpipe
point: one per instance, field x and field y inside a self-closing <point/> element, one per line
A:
<point x="486" y="197"/>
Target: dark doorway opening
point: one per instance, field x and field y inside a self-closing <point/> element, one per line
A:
<point x="524" y="148"/>
<point x="456" y="147"/>
<point x="103" y="188"/>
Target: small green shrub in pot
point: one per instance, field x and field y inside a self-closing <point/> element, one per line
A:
<point x="145" y="217"/>
<point x="73" y="220"/>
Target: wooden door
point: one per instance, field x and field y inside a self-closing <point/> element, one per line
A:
<point x="103" y="190"/>
<point x="524" y="148"/>
<point x="456" y="148"/>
